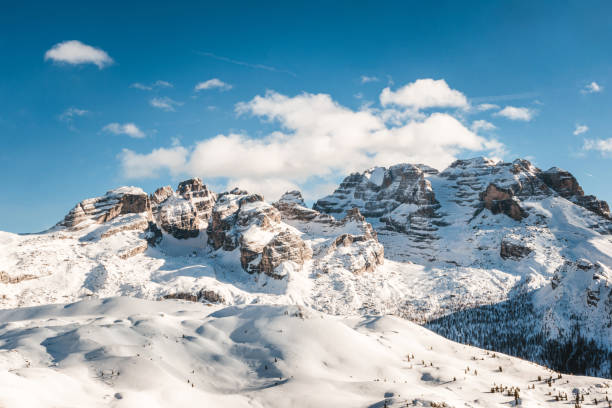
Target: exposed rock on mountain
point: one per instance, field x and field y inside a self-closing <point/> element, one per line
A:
<point x="564" y="183"/>
<point x="399" y="196"/>
<point x="292" y="207"/>
<point x="285" y="247"/>
<point x="244" y="221"/>
<point x="124" y="200"/>
<point x="500" y="201"/>
<point x="512" y="248"/>
<point x="379" y="191"/>
<point x="184" y="213"/>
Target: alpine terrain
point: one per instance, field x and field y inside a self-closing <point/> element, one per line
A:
<point x="488" y="283"/>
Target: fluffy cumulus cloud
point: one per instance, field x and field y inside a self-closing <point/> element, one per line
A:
<point x="165" y="103"/>
<point x="129" y="129"/>
<point x="316" y="138"/>
<point x="514" y="113"/>
<point x="580" y="129"/>
<point x="75" y="53"/>
<point x="141" y="166"/>
<point x="593" y="87"/>
<point x="214" y="83"/>
<point x="423" y="94"/>
<point x="604" y="146"/>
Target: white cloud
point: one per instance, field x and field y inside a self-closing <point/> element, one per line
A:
<point x="514" y="113"/>
<point x="156" y="84"/>
<point x="478" y="125"/>
<point x="365" y="79"/>
<point x="424" y="93"/>
<point x="162" y="84"/>
<point x="139" y="166"/>
<point x="593" y="87"/>
<point x="317" y="138"/>
<point x="143" y="87"/>
<point x="129" y="129"/>
<point x="212" y="84"/>
<point x="165" y="103"/>
<point x="580" y="129"/>
<point x="604" y="146"/>
<point x="487" y="106"/>
<point x="69" y="114"/>
<point x="75" y="53"/>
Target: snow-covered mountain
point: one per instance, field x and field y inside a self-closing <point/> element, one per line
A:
<point x="500" y="255"/>
<point x="126" y="352"/>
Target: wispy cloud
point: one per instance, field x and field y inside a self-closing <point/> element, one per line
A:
<point x="365" y="79"/>
<point x="486" y="106"/>
<point x="214" y="83"/>
<point x="515" y="113"/>
<point x="505" y="97"/>
<point x="71" y="112"/>
<point x="603" y="146"/>
<point x="580" y="129"/>
<point x="245" y="64"/>
<point x="75" y="53"/>
<point x="165" y="103"/>
<point x="154" y="85"/>
<point x="478" y="125"/>
<point x="593" y="87"/>
<point x="129" y="129"/>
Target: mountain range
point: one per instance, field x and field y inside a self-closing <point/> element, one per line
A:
<point x="502" y="256"/>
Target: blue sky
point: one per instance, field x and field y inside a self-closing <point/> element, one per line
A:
<point x="290" y="104"/>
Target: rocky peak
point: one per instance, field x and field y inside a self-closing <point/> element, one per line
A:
<point x="186" y="212"/>
<point x="379" y="191"/>
<point x="563" y="182"/>
<point x="292" y="197"/>
<point x="566" y="185"/>
<point x="160" y="195"/>
<point x="190" y="187"/>
<point x="123" y="200"/>
<point x="245" y="222"/>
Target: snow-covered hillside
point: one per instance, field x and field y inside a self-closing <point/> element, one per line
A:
<point x="125" y="352"/>
<point x="525" y="247"/>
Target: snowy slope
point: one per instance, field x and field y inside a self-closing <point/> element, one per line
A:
<point x="435" y="248"/>
<point x="124" y="352"/>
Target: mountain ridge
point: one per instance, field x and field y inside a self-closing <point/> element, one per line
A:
<point x="408" y="240"/>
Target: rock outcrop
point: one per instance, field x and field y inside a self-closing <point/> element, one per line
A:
<point x="513" y="248"/>
<point x="186" y="212"/>
<point x="566" y="185"/>
<point x="285" y="247"/>
<point x="501" y="201"/>
<point x="293" y="208"/>
<point x="378" y="191"/>
<point x="244" y="221"/>
<point x="123" y="200"/>
<point x="355" y="247"/>
<point x="399" y="196"/>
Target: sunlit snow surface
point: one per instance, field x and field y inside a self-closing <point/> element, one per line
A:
<point x="126" y="352"/>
